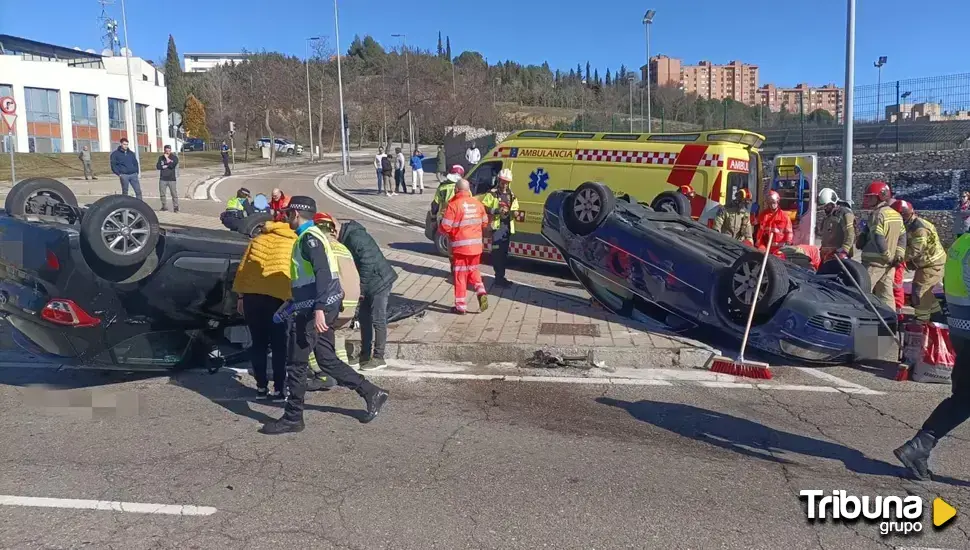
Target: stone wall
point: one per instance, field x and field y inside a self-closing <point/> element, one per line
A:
<point x="459" y="138"/>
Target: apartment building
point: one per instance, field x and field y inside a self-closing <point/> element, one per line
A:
<point x="736" y="80"/>
<point x="204" y="62"/>
<point x="829" y="97"/>
<point x="923" y="112"/>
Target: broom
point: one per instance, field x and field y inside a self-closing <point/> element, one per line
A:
<point x="740" y="367"/>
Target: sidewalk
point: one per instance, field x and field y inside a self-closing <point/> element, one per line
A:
<point x="360" y="186"/>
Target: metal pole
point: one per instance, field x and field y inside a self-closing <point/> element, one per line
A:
<point x="386" y="138"/>
<point x="631" y="105"/>
<point x="801" y="115"/>
<point x="878" y="91"/>
<point x="131" y="86"/>
<point x="641" y="110"/>
<point x="582" y="113"/>
<point x="649" y="120"/>
<point x="344" y="161"/>
<point x="309" y="108"/>
<point x="899" y="114"/>
<point x="407" y="68"/>
<point x="13" y="170"/>
<point x="847" y="112"/>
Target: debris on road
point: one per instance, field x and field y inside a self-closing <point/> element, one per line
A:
<point x="545" y="360"/>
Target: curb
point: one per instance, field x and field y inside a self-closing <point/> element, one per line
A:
<point x="360" y="202"/>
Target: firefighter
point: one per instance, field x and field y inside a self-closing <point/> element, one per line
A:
<point x="899" y="292"/>
<point x="926" y="256"/>
<point x="883" y="242"/>
<point x="838" y="226"/>
<point x="734" y="219"/>
<point x="774" y="221"/>
<point x="502" y="207"/>
<point x="464" y="220"/>
<point x="443" y="196"/>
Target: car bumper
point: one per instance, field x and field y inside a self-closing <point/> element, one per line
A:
<point x="46" y="340"/>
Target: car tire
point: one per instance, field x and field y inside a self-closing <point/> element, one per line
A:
<point x="253" y="224"/>
<point x="108" y="218"/>
<point x="736" y="285"/>
<point x="857" y="270"/>
<point x="673" y="202"/>
<point x="587" y="207"/>
<point x="16" y="202"/>
<point x="430" y="226"/>
<point x="441" y="244"/>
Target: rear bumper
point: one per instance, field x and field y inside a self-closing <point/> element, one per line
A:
<point x="43" y="339"/>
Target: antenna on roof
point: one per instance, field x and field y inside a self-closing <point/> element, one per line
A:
<point x="110" y="28"/>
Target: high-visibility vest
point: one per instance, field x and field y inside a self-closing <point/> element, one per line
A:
<point x="923" y="246"/>
<point x="442" y="197"/>
<point x="490" y="201"/>
<point x="301" y="270"/>
<point x="464" y="219"/>
<point x="956" y="281"/>
<point x="236" y="203"/>
<point x="887" y="223"/>
<point x="349" y="278"/>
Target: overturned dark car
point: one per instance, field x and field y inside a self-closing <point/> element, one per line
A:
<point x="661" y="267"/>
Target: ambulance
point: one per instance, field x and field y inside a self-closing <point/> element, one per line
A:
<point x="696" y="171"/>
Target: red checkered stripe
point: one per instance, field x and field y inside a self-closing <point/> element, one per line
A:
<point x="501" y="152"/>
<point x="712" y="159"/>
<point x="525" y="250"/>
<point x="642" y="157"/>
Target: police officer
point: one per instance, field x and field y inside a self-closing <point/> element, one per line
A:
<point x="317" y="296"/>
<point x="883" y="243"/>
<point x="734" y="220"/>
<point x="237" y="208"/>
<point x="926" y="256"/>
<point x="502" y="207"/>
<point x="838" y="226"/>
<point x="954" y="410"/>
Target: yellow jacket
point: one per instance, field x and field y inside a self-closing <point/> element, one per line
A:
<point x="265" y="267"/>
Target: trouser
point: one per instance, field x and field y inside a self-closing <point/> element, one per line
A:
<point x="500" y="257"/>
<point x="388" y="177"/>
<point x="467" y="274"/>
<point x="417" y="180"/>
<point x="172" y="187"/>
<point x="258" y="309"/>
<point x="372" y="314"/>
<point x="225" y="164"/>
<point x="130" y="180"/>
<point x="954" y="410"/>
<point x="899" y="293"/>
<point x="88" y="169"/>
<point x="882" y="283"/>
<point x="399" y="181"/>
<point x="305" y="339"/>
<point x="925" y="303"/>
<point x="380" y="181"/>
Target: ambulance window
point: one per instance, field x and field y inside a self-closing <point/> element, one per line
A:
<point x="735" y="181"/>
<point x="483" y="178"/>
<point x="622" y="137"/>
<point x="538" y="134"/>
<point x="576" y="135"/>
<point x="754" y="176"/>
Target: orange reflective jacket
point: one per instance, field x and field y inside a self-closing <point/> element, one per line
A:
<point x="463" y="222"/>
<point x="776" y="222"/>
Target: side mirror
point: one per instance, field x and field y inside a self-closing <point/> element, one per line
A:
<point x="260" y="202"/>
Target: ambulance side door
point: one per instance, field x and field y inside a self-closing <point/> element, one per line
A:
<point x="533" y="180"/>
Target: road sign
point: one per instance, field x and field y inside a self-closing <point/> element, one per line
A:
<point x="10" y="120"/>
<point x="8" y="106"/>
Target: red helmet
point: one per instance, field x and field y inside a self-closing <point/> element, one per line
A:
<point x="773" y="196"/>
<point x="876" y="192"/>
<point x="457" y="169"/>
<point x="687" y="190"/>
<point x="903" y="207"/>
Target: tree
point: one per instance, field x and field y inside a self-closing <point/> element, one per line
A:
<point x="448" y="47"/>
<point x="596" y="76"/>
<point x="174" y="80"/>
<point x="587" y="73"/>
<point x="821" y="117"/>
<point x="194" y="119"/>
<point x="609" y="80"/>
<point x="441" y="48"/>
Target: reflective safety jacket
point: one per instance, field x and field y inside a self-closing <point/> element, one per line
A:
<point x="441" y="199"/>
<point x="303" y="276"/>
<point x="349" y="279"/>
<point x="463" y="222"/>
<point x="956" y="281"/>
<point x="492" y="201"/>
<point x="735" y="222"/>
<point x="776" y="222"/>
<point x="923" y="246"/>
<point x="886" y="241"/>
<point x="838" y="231"/>
<point x="236" y="203"/>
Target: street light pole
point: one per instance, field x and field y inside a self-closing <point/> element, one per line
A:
<point x="309" y="108"/>
<point x="582" y="112"/>
<point x="878" y="65"/>
<point x="647" y="22"/>
<point x="344" y="161"/>
<point x="847" y="110"/>
<point x="131" y="87"/>
<point x="407" y="68"/>
<point x="631" y="79"/>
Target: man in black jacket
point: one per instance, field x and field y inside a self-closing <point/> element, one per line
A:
<point x="376" y="279"/>
<point x="167" y="179"/>
<point x="125" y="166"/>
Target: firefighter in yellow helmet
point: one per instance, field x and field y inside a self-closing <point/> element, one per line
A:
<point x="926" y="255"/>
<point x="734" y="220"/>
<point x="502" y="208"/>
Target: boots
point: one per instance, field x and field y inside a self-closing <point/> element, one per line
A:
<point x="374" y="398"/>
<point x="915" y="454"/>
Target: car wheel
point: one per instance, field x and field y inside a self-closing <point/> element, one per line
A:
<point x="736" y="286"/>
<point x="18" y="201"/>
<point x="442" y="245"/>
<point x="587" y="207"/>
<point x="673" y="202"/>
<point x="430" y="226"/>
<point x="252" y="225"/>
<point x="120" y="230"/>
<point x="857" y="270"/>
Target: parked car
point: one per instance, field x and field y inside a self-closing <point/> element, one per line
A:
<point x="664" y="267"/>
<point x="193" y="144"/>
<point x="283" y="146"/>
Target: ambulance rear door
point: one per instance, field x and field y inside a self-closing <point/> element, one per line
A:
<point x="804" y="206"/>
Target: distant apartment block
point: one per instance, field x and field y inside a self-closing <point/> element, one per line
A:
<point x="829" y="97"/>
<point x="202" y="62"/>
<point x="923" y="112"/>
<point x="736" y="80"/>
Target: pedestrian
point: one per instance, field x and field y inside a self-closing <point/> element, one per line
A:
<point x="441" y="167"/>
<point x="387" y="169"/>
<point x="378" y="167"/>
<point x="838" y="226"/>
<point x="399" y="167"/>
<point x="734" y="219"/>
<point x="955" y="409"/>
<point x="417" y="171"/>
<point x="963" y="213"/>
<point x="502" y="208"/>
<point x="85" y="157"/>
<point x="883" y="242"/>
<point x="926" y="256"/>
<point x="316" y="302"/>
<point x="225" y="158"/>
<point x="377" y="277"/>
<point x="472" y="155"/>
<point x="167" y="179"/>
<point x="464" y="220"/>
<point x="442" y="197"/>
<point x="774" y="221"/>
<point x="124" y="164"/>
<point x="263" y="285"/>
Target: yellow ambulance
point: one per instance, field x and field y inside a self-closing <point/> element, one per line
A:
<point x="652" y="168"/>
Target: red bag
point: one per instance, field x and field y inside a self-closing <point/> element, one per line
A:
<point x="937" y="359"/>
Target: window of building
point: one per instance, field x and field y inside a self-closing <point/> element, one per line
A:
<point x="8" y="142"/>
<point x="84" y="109"/>
<point x="158" y="123"/>
<point x="141" y="126"/>
<point x="44" y="120"/>
<point x="117" y="119"/>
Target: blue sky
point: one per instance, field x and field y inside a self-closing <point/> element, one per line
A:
<point x="790" y="44"/>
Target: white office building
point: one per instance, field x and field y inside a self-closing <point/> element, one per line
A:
<point x="202" y="62"/>
<point x="68" y="98"/>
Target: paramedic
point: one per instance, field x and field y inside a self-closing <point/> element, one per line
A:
<point x="464" y="220"/>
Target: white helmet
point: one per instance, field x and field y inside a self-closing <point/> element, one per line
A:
<point x="827" y="196"/>
<point x="505" y="174"/>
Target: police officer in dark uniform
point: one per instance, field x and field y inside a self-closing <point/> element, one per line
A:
<point x="317" y="298"/>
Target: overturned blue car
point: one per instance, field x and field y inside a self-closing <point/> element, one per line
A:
<point x="662" y="267"/>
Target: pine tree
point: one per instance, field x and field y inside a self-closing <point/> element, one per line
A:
<point x="609" y="81"/>
<point x="441" y="48"/>
<point x="448" y="48"/>
<point x="174" y="80"/>
<point x="194" y="119"/>
<point x="587" y="73"/>
<point x="579" y="71"/>
<point x="596" y="76"/>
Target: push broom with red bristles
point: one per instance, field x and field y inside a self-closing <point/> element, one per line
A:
<point x="740" y="367"/>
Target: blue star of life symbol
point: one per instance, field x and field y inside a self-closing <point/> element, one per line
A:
<point x="538" y="181"/>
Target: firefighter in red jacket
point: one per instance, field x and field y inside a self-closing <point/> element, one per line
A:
<point x="774" y="221"/>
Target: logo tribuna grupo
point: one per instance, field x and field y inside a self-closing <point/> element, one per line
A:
<point x="894" y="514"/>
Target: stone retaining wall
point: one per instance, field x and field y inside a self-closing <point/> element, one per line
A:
<point x="459" y="138"/>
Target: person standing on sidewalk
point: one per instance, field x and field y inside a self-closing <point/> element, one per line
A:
<point x="442" y="197"/>
<point x="441" y="167"/>
<point x="225" y="158"/>
<point x="464" y="220"/>
<point x="472" y="156"/>
<point x="125" y="166"/>
<point x="315" y="281"/>
<point x="502" y="207"/>
<point x="399" y="168"/>
<point x="379" y="168"/>
<point x="387" y="167"/>
<point x="167" y="179"/>
<point x="85" y="157"/>
<point x="417" y="171"/>
<point x="263" y="285"/>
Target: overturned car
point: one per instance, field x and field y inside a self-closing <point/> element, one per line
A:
<point x="661" y="267"/>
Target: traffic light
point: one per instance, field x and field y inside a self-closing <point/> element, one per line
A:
<point x="232" y="128"/>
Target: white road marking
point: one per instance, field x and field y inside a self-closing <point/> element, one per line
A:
<point x="108" y="505"/>
<point x="324" y="189"/>
<point x="211" y="187"/>
<point x="841" y="382"/>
